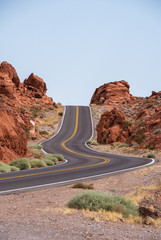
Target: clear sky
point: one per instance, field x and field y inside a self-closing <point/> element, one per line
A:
<point x="78" y="45"/>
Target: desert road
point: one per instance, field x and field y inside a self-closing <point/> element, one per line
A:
<point x="81" y="161"/>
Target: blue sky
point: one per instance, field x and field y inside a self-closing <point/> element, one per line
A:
<point x="78" y="45"/>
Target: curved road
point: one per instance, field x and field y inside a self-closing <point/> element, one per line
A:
<point x="82" y="162"/>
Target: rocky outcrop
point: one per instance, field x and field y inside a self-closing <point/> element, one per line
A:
<point x="112" y="127"/>
<point x="9" y="80"/>
<point x="36" y="85"/>
<point x="13" y="138"/>
<point x="8" y="69"/>
<point x="18" y="104"/>
<point x="111" y="92"/>
<point x="142" y="115"/>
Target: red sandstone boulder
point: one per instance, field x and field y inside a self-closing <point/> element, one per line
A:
<point x="112" y="127"/>
<point x="8" y="69"/>
<point x="36" y="85"/>
<point x="111" y="92"/>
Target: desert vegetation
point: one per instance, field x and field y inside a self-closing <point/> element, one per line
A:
<point x="94" y="201"/>
<point x="38" y="160"/>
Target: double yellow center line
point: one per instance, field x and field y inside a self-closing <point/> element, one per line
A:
<point x="105" y="160"/>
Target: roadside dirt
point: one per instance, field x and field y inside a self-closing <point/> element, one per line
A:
<point x="42" y="214"/>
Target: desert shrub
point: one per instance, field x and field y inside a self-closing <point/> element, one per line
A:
<point x="139" y="140"/>
<point x="60" y="114"/>
<point x="35" y="111"/>
<point x="48" y="162"/>
<point x="94" y="143"/>
<point x="2" y="100"/>
<point x="37" y="146"/>
<point x="33" y="138"/>
<point x="151" y="155"/>
<point x="22" y="110"/>
<point x="94" y="201"/>
<point x="60" y="157"/>
<point x="13" y="168"/>
<point x="21" y="163"/>
<point x="128" y="123"/>
<point x="43" y="133"/>
<point x="88" y="142"/>
<point x="37" y="163"/>
<point x="4" y="167"/>
<point x="151" y="146"/>
<point x="36" y="152"/>
<point x="141" y="136"/>
<point x="82" y="185"/>
<point x="26" y="128"/>
<point x="113" y="190"/>
<point x="122" y="145"/>
<point x="51" y="157"/>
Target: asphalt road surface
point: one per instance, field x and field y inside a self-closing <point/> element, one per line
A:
<point x="81" y="161"/>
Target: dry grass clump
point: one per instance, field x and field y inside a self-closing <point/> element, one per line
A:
<point x="83" y="186"/>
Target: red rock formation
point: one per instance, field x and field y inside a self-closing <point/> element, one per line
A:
<point x="111" y="92"/>
<point x="16" y="100"/>
<point x="36" y="85"/>
<point x="13" y="138"/>
<point x="143" y="113"/>
<point x="7" y="68"/>
<point x="112" y="127"/>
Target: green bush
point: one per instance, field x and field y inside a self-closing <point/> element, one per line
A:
<point x="59" y="157"/>
<point x="21" y="163"/>
<point x="51" y="157"/>
<point x="88" y="142"/>
<point x="82" y="185"/>
<point x="94" y="143"/>
<point x="33" y="138"/>
<point x="48" y="162"/>
<point x="60" y="114"/>
<point x="4" y="167"/>
<point x="36" y="152"/>
<point x="151" y="155"/>
<point x="13" y="168"/>
<point x="43" y="133"/>
<point x="94" y="201"/>
<point x="37" y="163"/>
<point x="37" y="146"/>
<point x="128" y="123"/>
<point x="122" y="145"/>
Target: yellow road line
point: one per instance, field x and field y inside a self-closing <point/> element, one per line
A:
<point x="106" y="160"/>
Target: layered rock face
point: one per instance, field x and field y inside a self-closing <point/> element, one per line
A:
<point x="16" y="99"/>
<point x="112" y="127"/>
<point x="126" y="118"/>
